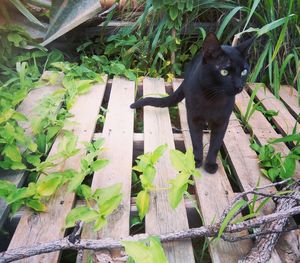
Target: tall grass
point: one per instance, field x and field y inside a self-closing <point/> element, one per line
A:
<point x="276" y="57"/>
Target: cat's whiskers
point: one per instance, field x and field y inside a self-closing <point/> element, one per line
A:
<point x="212" y="94"/>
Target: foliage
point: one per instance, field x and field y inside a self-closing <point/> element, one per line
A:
<point x="100" y="203"/>
<point x="148" y="46"/>
<point x="145" y="165"/>
<point x="273" y="164"/>
<point x="35" y="194"/>
<point x="185" y="166"/>
<point x="145" y="251"/>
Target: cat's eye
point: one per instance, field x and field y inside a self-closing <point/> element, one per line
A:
<point x="224" y="72"/>
<point x="244" y="72"/>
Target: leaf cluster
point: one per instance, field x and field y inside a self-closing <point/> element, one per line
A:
<point x="101" y="203"/>
<point x="273" y="164"/>
<point x="185" y="166"/>
<point x="145" y="165"/>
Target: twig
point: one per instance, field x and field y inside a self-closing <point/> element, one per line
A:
<point x="255" y="191"/>
<point x="108" y="243"/>
<point x="264" y="246"/>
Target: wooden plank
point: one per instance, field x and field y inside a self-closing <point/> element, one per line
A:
<point x="261" y="128"/>
<point x="263" y="131"/>
<point x="290" y="97"/>
<point x="214" y="193"/>
<point x="27" y="107"/>
<point x="284" y="121"/>
<point x="161" y="218"/>
<point x="41" y="227"/>
<point x="118" y="135"/>
<point x="245" y="162"/>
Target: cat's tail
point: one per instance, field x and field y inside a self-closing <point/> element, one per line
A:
<point x="168" y="101"/>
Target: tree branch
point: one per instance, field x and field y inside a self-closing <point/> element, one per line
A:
<point x="108" y="243"/>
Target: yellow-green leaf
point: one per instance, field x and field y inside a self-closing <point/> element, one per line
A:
<point x="143" y="203"/>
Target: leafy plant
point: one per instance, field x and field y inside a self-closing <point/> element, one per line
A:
<point x="185" y="166"/>
<point x="88" y="164"/>
<point x="100" y="203"/>
<point x="145" y="251"/>
<point x="146" y="166"/>
<point x="36" y="193"/>
<point x="273" y="165"/>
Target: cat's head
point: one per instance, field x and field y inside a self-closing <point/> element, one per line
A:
<point x="225" y="66"/>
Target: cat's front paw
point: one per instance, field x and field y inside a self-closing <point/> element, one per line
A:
<point x="198" y="163"/>
<point x="211" y="167"/>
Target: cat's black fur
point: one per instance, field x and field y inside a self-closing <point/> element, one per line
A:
<point x="209" y="95"/>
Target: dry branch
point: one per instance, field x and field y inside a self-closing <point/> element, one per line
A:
<point x="107" y="243"/>
<point x="261" y="252"/>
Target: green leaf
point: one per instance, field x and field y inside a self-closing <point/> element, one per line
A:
<point x="19" y="116"/>
<point x="143" y="203"/>
<point x="99" y="164"/>
<point x="189" y="160"/>
<point x="6" y="115"/>
<point x="158" y="153"/>
<point x="288" y="138"/>
<point x="100" y="222"/>
<point x="75" y="181"/>
<point x="173" y="12"/>
<point x="156" y="250"/>
<point x="21" y="193"/>
<point x="13" y="153"/>
<point x="227" y="19"/>
<point x="83" y="86"/>
<point x="177" y="159"/>
<point x="6" y="188"/>
<point x="105" y="194"/>
<point x="229" y="216"/>
<point x="82" y="213"/>
<point x="138" y="251"/>
<point x="36" y="205"/>
<point x="274" y="24"/>
<point x="110" y="205"/>
<point x="178" y="187"/>
<point x="254" y="6"/>
<point x="21" y="7"/>
<point x="48" y="185"/>
<point x="15" y="38"/>
<point x="288" y="169"/>
<point x="33" y="159"/>
<point x="86" y="191"/>
<point x="146" y="251"/>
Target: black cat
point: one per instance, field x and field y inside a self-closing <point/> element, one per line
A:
<point x="211" y="82"/>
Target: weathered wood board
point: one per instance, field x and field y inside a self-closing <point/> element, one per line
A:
<point x="161" y="218"/>
<point x="41" y="227"/>
<point x="284" y="121"/>
<point x="118" y="136"/>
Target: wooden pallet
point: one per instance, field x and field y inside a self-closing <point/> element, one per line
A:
<point x="212" y="192"/>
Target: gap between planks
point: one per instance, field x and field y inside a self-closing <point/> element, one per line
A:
<point x="289" y="96"/>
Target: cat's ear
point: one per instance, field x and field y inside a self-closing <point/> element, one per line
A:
<point x="211" y="47"/>
<point x="245" y="46"/>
